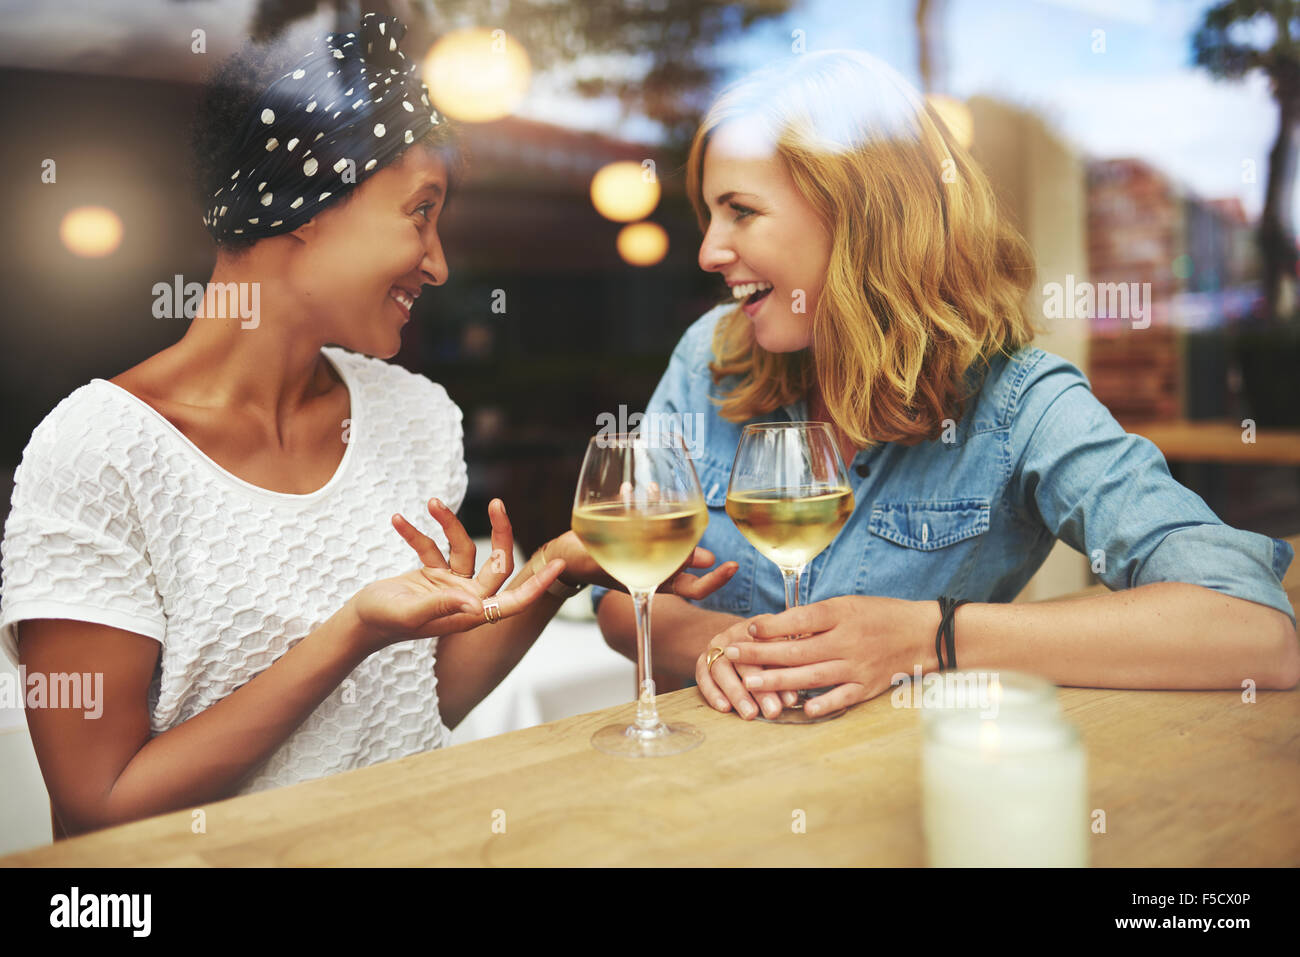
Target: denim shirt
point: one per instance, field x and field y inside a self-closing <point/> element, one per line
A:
<point x="1034" y="458"/>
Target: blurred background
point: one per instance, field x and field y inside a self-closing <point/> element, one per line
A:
<point x="1132" y="141"/>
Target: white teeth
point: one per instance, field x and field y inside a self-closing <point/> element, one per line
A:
<point x="747" y="289"/>
<point x="402" y="298"/>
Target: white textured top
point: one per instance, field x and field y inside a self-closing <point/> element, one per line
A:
<point x="119" y="519"/>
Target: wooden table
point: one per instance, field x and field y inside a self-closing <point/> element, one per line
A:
<point x="1184" y="441"/>
<point x="1186" y="778"/>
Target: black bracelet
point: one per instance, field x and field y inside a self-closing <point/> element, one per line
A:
<point x="946" y="634"/>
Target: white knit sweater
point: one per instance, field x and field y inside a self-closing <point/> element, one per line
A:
<point x="119" y="519"/>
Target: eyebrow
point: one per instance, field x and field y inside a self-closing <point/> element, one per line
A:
<point x="728" y="196"/>
<point x="434" y="185"/>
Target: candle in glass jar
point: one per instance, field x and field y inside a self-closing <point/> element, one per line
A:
<point x="1009" y="791"/>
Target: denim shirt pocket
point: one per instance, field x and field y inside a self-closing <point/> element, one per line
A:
<point x="934" y="547"/>
<point x="930" y="526"/>
<point x="725" y="541"/>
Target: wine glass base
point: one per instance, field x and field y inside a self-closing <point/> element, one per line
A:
<point x="629" y="741"/>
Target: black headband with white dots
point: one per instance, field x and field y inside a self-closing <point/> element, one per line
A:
<point x="336" y="117"/>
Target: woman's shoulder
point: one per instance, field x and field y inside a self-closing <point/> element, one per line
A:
<point x="91" y="424"/>
<point x="1024" y="382"/>
<point x="83" y="460"/>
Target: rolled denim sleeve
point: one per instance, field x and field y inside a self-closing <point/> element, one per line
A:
<point x="683" y="388"/>
<point x="1109" y="494"/>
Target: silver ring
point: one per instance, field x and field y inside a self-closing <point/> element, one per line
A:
<point x="461" y="574"/>
<point x="491" y="610"/>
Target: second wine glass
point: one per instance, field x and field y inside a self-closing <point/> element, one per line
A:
<point x="790" y="495"/>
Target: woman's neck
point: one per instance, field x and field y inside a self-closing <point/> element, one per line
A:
<point x="270" y="366"/>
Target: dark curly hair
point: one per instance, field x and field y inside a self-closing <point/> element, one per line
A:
<point x="232" y="88"/>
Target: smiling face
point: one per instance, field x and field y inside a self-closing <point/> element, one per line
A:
<point x="762" y="231"/>
<point x="356" y="256"/>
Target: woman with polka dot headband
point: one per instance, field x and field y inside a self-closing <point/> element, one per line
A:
<point x="217" y="532"/>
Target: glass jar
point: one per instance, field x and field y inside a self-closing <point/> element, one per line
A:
<point x="1007" y="789"/>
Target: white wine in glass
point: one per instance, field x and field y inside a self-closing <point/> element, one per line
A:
<point x="790" y="495"/>
<point x="639" y="512"/>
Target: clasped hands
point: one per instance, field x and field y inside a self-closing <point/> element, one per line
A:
<point x="855" y="643"/>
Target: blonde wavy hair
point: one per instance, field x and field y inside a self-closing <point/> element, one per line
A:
<point x="926" y="278"/>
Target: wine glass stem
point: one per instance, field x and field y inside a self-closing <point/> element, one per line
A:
<point x="791" y="577"/>
<point x="647" y="713"/>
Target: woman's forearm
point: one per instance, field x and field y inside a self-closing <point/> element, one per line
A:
<point x="470" y="664"/>
<point x="208" y="757"/>
<point x="1165" y="635"/>
<point x="680" y="630"/>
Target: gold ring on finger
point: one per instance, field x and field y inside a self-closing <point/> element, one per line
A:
<point x="714" y="655"/>
<point x="491" y="610"/>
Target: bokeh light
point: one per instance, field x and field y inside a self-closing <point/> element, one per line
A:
<point x="956" y="115"/>
<point x="624" y="191"/>
<point x="477" y="75"/>
<point x="642" y="244"/>
<point x="91" y="231"/>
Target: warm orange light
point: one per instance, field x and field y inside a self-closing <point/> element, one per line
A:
<point x="642" y="244"/>
<point x="624" y="191"/>
<point x="477" y="75"/>
<point x="956" y="115"/>
<point x="91" y="231"/>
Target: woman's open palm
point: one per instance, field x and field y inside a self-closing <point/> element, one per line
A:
<point x="445" y="596"/>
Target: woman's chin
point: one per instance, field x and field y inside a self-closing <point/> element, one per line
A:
<point x="789" y="336"/>
<point x="377" y="347"/>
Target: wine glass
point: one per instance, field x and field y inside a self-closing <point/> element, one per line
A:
<point x="640" y="512"/>
<point x="790" y="495"/>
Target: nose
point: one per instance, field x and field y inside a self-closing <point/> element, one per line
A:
<point x="434" y="266"/>
<point x="715" y="252"/>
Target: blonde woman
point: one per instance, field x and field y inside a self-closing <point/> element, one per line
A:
<point x="877" y="288"/>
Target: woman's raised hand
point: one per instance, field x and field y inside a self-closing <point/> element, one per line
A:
<point x="444" y="595"/>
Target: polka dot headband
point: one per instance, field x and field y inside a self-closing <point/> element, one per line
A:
<point x="346" y="113"/>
